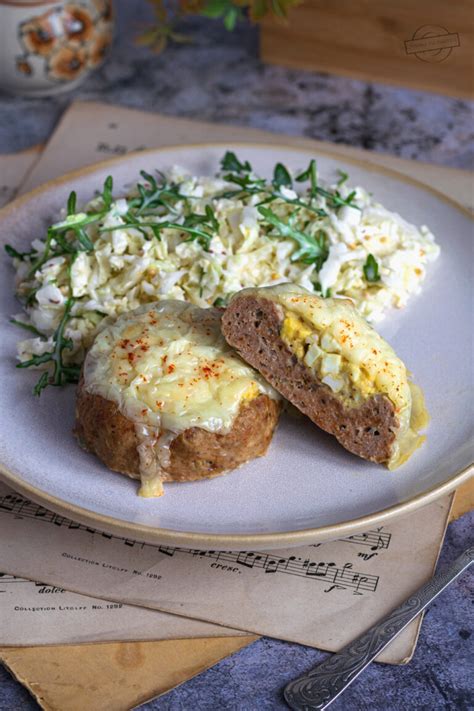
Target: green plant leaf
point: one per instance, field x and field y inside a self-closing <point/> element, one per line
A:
<point x="343" y="177"/>
<point x="312" y="250"/>
<point x="371" y="269"/>
<point x="215" y="8"/>
<point x="71" y="203"/>
<point x="14" y="254"/>
<point x="231" y="163"/>
<point x="107" y="197"/>
<point x="231" y="17"/>
<point x="309" y="174"/>
<point x="281" y="177"/>
<point x="28" y="327"/>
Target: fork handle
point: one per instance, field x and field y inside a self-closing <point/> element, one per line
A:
<point x="320" y="686"/>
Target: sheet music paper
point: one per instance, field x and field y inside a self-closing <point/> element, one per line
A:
<point x="13" y="168"/>
<point x="33" y="613"/>
<point x="320" y="595"/>
<point x="102" y="131"/>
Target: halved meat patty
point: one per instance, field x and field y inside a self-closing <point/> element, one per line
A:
<point x="274" y="329"/>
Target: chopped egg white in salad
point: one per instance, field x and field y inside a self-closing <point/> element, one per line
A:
<point x="201" y="239"/>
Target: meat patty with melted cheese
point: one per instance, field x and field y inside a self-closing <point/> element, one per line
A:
<point x="164" y="398"/>
<point x="332" y="365"/>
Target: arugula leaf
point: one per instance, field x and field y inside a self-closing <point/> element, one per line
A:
<point x="202" y="237"/>
<point x="42" y="383"/>
<point x="62" y="373"/>
<point x="14" y="254"/>
<point x="281" y="177"/>
<point x="371" y="269"/>
<point x="43" y="257"/>
<point x="107" y="197"/>
<point x="156" y="195"/>
<point x="71" y="203"/>
<point x="28" y="327"/>
<point x="309" y="174"/>
<point x="61" y="344"/>
<point x="343" y="177"/>
<point x="312" y="249"/>
<point x="208" y="219"/>
<point x="211" y="218"/>
<point x="136" y="225"/>
<point x="247" y="184"/>
<point x="36" y="360"/>
<point x="75" y="223"/>
<point x="319" y="211"/>
<point x="335" y="199"/>
<point x="254" y="186"/>
<point x="190" y="225"/>
<point x="232" y="163"/>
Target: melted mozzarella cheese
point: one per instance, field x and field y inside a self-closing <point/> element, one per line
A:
<point x="168" y="368"/>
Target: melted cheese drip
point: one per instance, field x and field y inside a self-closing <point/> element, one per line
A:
<point x="168" y="368"/>
<point x="358" y="356"/>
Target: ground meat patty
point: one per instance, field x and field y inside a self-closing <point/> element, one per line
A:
<point x="195" y="453"/>
<point x="252" y="325"/>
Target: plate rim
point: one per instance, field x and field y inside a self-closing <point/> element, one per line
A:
<point x="160" y="536"/>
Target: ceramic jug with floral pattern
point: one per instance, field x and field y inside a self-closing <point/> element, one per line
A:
<point x="47" y="47"/>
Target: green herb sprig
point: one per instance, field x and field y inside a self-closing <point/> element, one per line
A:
<point x="28" y="327"/>
<point x="343" y="177"/>
<point x="309" y="174"/>
<point x="66" y="238"/>
<point x="62" y="373"/>
<point x="281" y="177"/>
<point x="14" y="254"/>
<point x="371" y="269"/>
<point x="334" y="198"/>
<point x="199" y="227"/>
<point x="251" y="185"/>
<point x="312" y="249"/>
<point x="153" y="195"/>
<point x="232" y="164"/>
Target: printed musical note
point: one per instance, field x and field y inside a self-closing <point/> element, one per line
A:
<point x="166" y="550"/>
<point x="328" y="572"/>
<point x="376" y="540"/>
<point x="248" y="559"/>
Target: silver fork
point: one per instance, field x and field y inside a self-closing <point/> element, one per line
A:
<point x="319" y="687"/>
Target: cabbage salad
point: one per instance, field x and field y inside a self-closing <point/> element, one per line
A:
<point x="201" y="239"/>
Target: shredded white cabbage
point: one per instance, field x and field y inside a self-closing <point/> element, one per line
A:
<point x="130" y="265"/>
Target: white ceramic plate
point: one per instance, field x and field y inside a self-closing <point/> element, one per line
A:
<point x="307" y="488"/>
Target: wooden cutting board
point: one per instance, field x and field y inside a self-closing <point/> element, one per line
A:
<point x="425" y="44"/>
